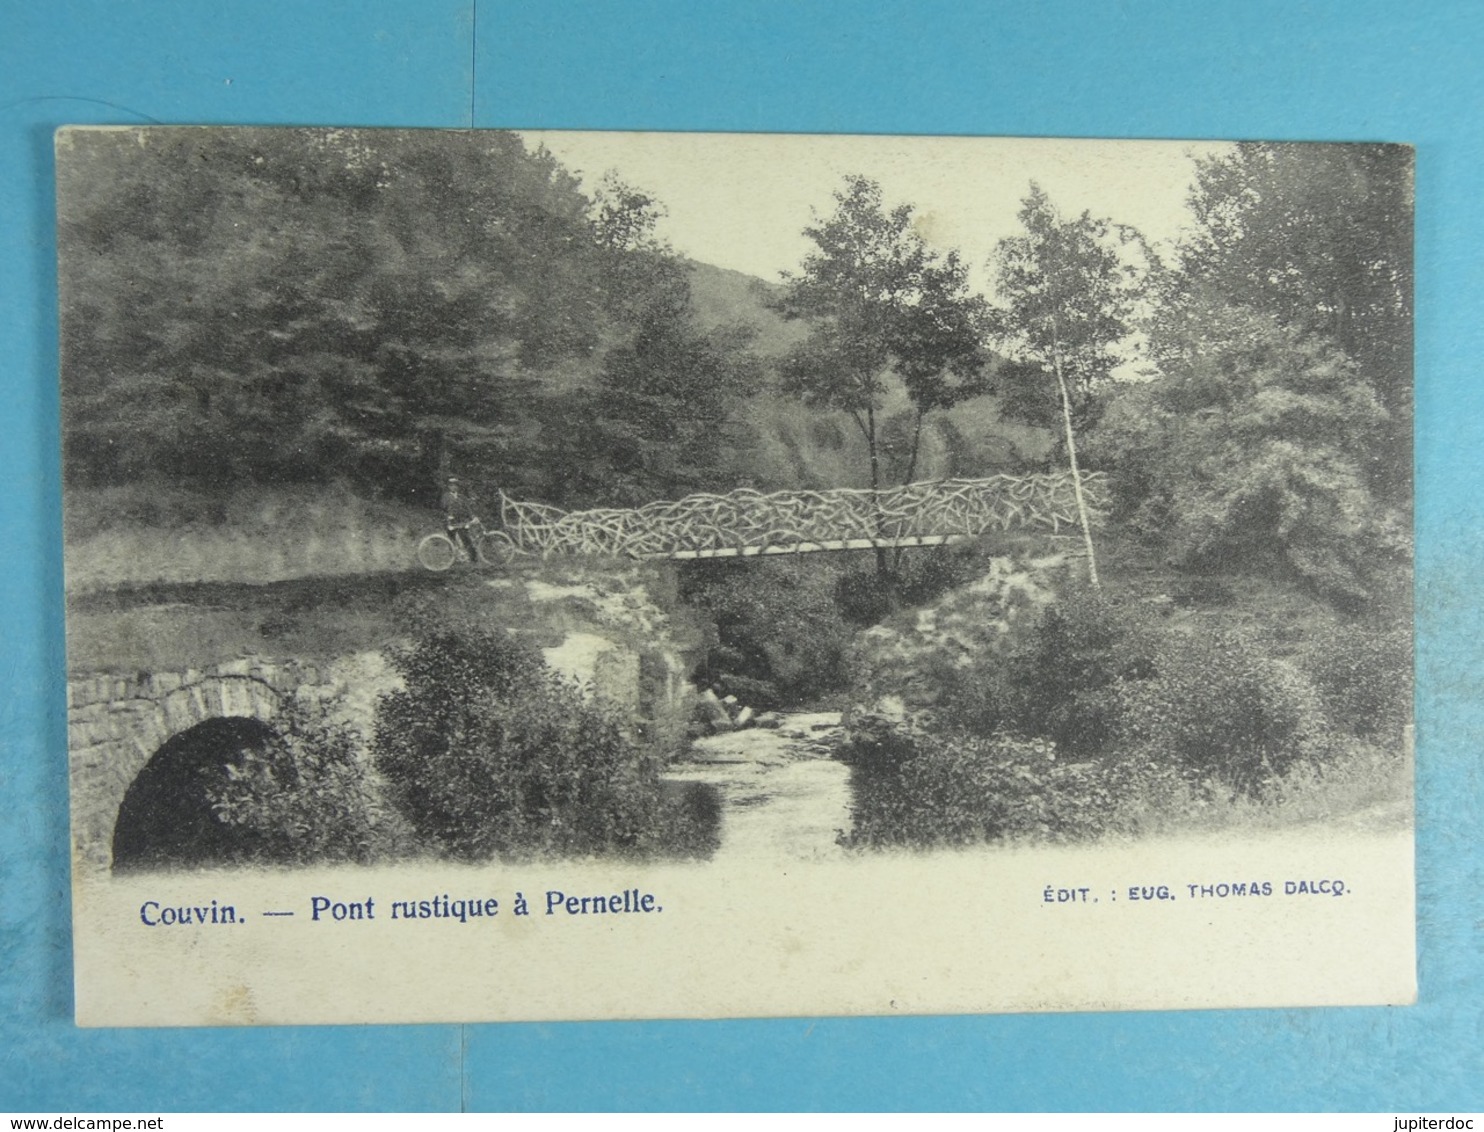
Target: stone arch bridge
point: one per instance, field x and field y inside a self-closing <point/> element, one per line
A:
<point x="116" y="724"/>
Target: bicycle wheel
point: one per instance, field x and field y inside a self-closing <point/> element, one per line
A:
<point x="496" y="549"/>
<point x="437" y="553"/>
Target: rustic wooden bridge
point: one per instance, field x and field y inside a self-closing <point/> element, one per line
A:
<point x="744" y="523"/>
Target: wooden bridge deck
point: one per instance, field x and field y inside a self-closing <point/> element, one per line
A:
<point x="811" y="547"/>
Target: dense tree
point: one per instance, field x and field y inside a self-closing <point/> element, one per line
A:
<point x="1275" y="433"/>
<point x="1066" y="293"/>
<point x="379" y="306"/>
<point x="661" y="419"/>
<point x="288" y="305"/>
<point x="1249" y="452"/>
<point x="1319" y="237"/>
<point x="881" y="306"/>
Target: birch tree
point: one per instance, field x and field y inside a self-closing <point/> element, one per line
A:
<point x="1066" y="298"/>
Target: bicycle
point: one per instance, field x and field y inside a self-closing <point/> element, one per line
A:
<point x="439" y="551"/>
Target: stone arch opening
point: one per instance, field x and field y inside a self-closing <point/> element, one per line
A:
<point x="166" y="819"/>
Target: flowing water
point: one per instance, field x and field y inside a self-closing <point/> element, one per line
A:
<point x="782" y="795"/>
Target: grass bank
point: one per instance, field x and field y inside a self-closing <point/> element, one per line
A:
<point x="143" y="534"/>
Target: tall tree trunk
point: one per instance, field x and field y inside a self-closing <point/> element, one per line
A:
<point x="1066" y="413"/>
<point x="883" y="569"/>
<point x="916" y="445"/>
<point x="896" y="561"/>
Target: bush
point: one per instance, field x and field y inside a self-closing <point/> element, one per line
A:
<point x="920" y="577"/>
<point x="949" y="788"/>
<point x="1066" y="690"/>
<point x="1060" y="683"/>
<point x="305" y="795"/>
<point x="1220" y="708"/>
<point x="1364" y="677"/>
<point x="488" y="752"/>
<point x="1100" y="682"/>
<point x="924" y="576"/>
<point x="689" y="822"/>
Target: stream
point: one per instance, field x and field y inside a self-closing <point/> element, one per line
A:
<point x="782" y="795"/>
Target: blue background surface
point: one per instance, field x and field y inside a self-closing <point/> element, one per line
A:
<point x="1354" y="71"/>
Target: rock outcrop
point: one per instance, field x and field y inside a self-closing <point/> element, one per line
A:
<point x="901" y="663"/>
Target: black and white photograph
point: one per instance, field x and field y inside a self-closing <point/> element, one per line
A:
<point x="681" y="575"/>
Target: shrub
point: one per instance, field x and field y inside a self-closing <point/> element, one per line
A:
<point x="1060" y="682"/>
<point x="1101" y="682"/>
<point x="1066" y="690"/>
<point x="920" y="576"/>
<point x="949" y="788"/>
<point x="925" y="575"/>
<point x="305" y="795"/>
<point x="1364" y="677"/>
<point x="689" y="823"/>
<point x="1220" y="708"/>
<point x="487" y="751"/>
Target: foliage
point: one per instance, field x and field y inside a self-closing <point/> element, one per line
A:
<point x="1130" y="443"/>
<point x="921" y="576"/>
<point x="879" y="302"/>
<point x="923" y="789"/>
<point x="781" y="639"/>
<point x="865" y="599"/>
<point x="1105" y="682"/>
<point x="1219" y="707"/>
<point x="1274" y="437"/>
<point x="487" y="752"/>
<point x="259" y="305"/>
<point x="277" y="306"/>
<point x="924" y="575"/>
<point x="949" y="789"/>
<point x="306" y="795"/>
<point x="967" y="641"/>
<point x="624" y="218"/>
<point x="1250" y="451"/>
<point x="1319" y="238"/>
<point x="1105" y="717"/>
<point x="1059" y="682"/>
<point x="878" y="298"/>
<point x="662" y="423"/>
<point x="1066" y="291"/>
<point x="1363" y="674"/>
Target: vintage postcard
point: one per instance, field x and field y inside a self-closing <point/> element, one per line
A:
<point x="519" y="575"/>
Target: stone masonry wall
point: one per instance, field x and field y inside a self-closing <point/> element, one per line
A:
<point x="116" y="723"/>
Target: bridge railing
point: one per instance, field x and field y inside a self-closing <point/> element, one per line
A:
<point x="753" y="522"/>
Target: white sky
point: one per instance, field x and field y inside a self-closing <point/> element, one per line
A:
<point x="742" y="200"/>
